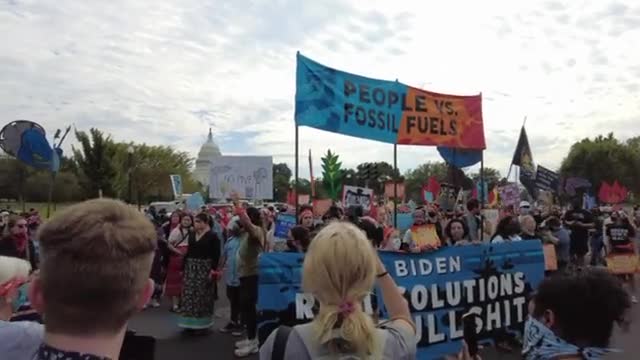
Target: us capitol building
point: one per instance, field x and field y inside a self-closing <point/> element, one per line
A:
<point x="208" y="152"/>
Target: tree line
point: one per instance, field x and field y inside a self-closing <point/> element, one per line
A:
<point x="139" y="173"/>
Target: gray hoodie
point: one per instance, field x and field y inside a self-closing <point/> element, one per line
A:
<point x="20" y="339"/>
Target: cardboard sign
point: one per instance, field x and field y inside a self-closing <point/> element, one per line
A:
<point x="510" y="195"/>
<point x="622" y="263"/>
<point x="494" y="281"/>
<point x="550" y="257"/>
<point x="425" y="235"/>
<point x="357" y="196"/>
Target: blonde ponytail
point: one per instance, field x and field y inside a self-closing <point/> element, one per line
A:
<point x="339" y="270"/>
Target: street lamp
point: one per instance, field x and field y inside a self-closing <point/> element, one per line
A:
<point x="129" y="171"/>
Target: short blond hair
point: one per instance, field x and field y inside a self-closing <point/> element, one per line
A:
<point x="340" y="267"/>
<point x="96" y="259"/>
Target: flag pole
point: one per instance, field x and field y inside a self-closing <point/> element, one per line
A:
<point x="482" y="199"/>
<point x="395" y="186"/>
<point x="295" y="184"/>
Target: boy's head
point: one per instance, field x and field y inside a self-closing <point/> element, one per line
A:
<point x="96" y="259"/>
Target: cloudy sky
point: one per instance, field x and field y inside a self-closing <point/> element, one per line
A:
<point x="161" y="71"/>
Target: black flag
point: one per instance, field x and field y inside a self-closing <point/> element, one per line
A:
<point x="522" y="157"/>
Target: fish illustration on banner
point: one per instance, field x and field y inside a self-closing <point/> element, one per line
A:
<point x="494" y="281"/>
<point x="386" y="111"/>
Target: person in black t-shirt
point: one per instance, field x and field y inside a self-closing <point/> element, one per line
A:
<point x="579" y="221"/>
<point x="619" y="235"/>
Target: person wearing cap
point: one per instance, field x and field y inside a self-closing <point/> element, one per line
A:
<point x="523" y="209"/>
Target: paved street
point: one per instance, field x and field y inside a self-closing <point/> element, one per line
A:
<point x="172" y="345"/>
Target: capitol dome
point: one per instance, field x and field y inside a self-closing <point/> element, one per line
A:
<point x="208" y="152"/>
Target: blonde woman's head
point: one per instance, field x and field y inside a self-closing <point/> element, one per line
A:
<point x="339" y="270"/>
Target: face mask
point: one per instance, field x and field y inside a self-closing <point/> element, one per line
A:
<point x="540" y="343"/>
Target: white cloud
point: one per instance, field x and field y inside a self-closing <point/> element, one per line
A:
<point x="160" y="71"/>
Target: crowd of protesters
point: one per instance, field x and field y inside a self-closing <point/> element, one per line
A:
<point x="187" y="253"/>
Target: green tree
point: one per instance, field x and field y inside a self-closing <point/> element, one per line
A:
<point x="150" y="167"/>
<point x="416" y="178"/>
<point x="281" y="179"/>
<point x="604" y="158"/>
<point x="379" y="173"/>
<point x="491" y="177"/>
<point x="94" y="160"/>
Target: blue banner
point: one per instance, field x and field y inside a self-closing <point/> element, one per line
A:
<point x="493" y="281"/>
<point x="330" y="100"/>
<point x="284" y="223"/>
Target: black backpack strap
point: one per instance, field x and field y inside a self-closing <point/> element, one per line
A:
<point x="280" y="342"/>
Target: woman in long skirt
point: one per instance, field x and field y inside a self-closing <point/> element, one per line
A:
<point x="177" y="243"/>
<point x="200" y="262"/>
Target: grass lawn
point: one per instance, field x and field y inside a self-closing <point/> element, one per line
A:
<point x="40" y="206"/>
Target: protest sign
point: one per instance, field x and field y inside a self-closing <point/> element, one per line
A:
<point x="405" y="220"/>
<point x="249" y="176"/>
<point x="387" y="111"/>
<point x="493" y="281"/>
<point x="550" y="257"/>
<point x="510" y="195"/>
<point x="546" y="179"/>
<point x="284" y="223"/>
<point x="176" y="185"/>
<point x="194" y="202"/>
<point x="622" y="263"/>
<point x="425" y="235"/>
<point x="357" y="196"/>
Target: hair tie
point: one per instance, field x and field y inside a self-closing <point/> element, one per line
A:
<point x="346" y="308"/>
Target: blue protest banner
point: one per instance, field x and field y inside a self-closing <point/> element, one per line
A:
<point x="493" y="281"/>
<point x="283" y="223"/>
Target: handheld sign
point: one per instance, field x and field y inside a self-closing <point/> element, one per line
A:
<point x="494" y="282"/>
<point x="621" y="264"/>
<point x="284" y="223"/>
